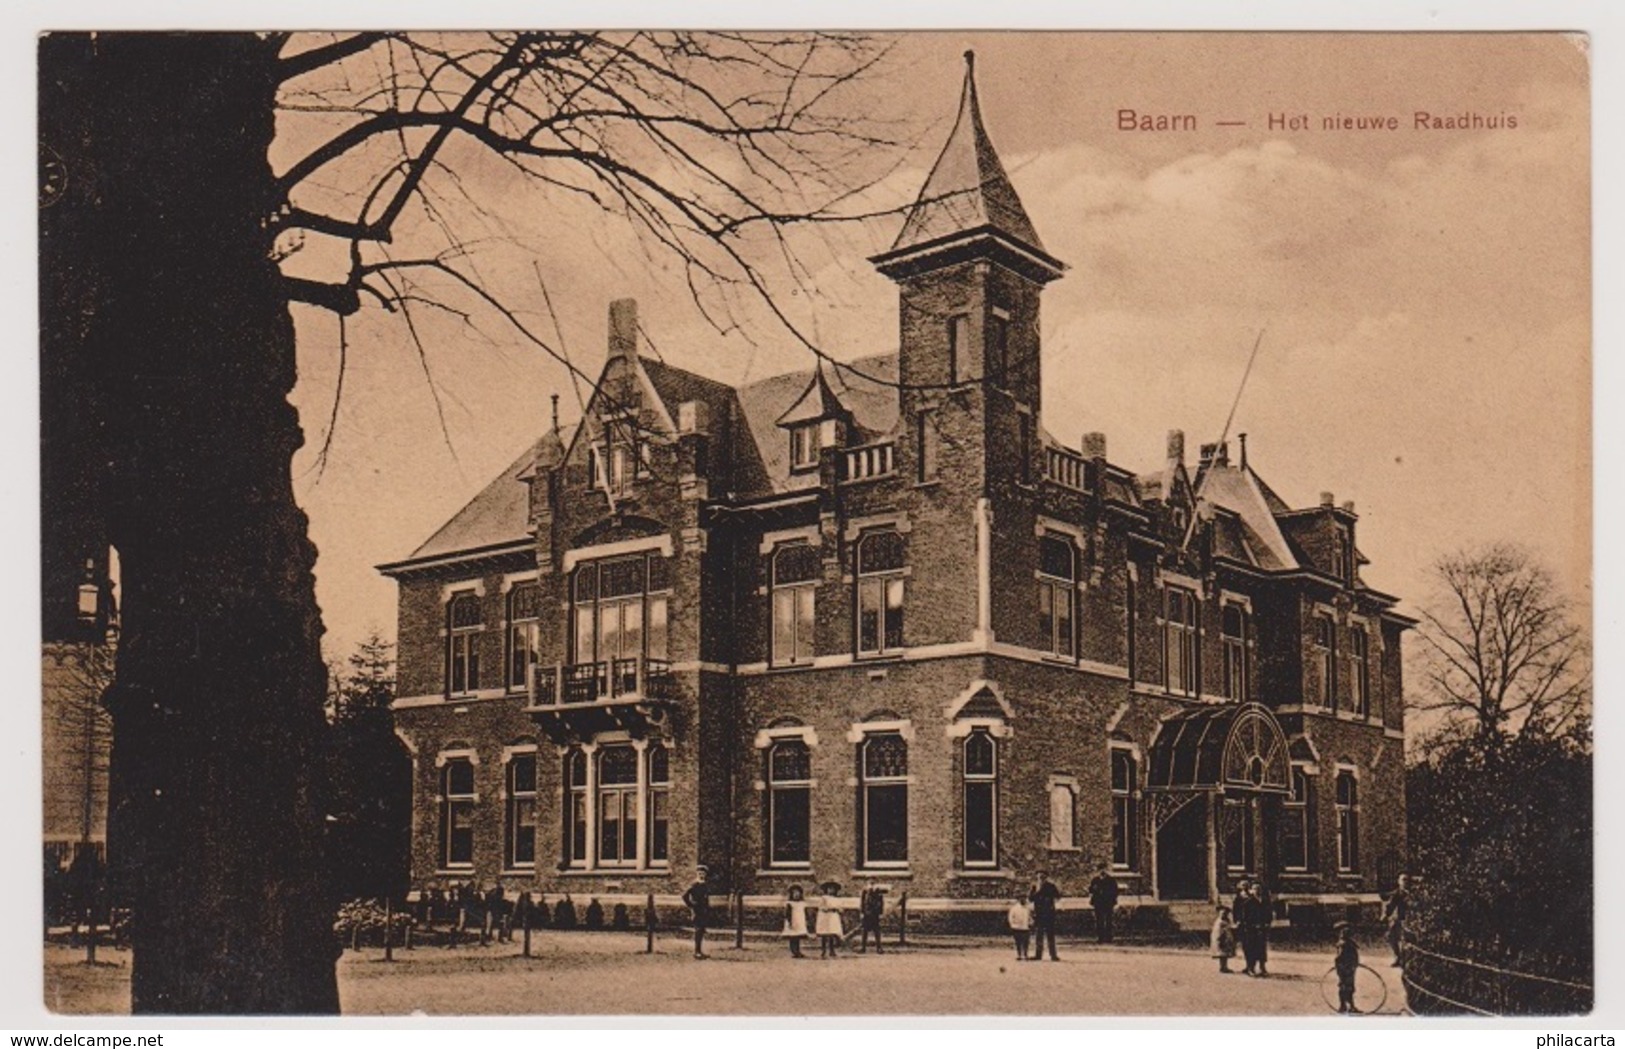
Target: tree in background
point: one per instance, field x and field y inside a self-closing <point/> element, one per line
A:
<point x="372" y="779"/>
<point x="165" y="311"/>
<point x="1502" y="653"/>
<point x="1499" y="796"/>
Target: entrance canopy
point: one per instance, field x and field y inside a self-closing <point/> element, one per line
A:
<point x="1229" y="746"/>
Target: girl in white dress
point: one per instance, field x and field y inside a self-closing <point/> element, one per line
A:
<point x="828" y="925"/>
<point x="795" y="920"/>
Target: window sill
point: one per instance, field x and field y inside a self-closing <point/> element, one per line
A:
<point x="1064" y="848"/>
<point x="616" y="872"/>
<point x="785" y="872"/>
<point x="935" y="482"/>
<point x="455" y="870"/>
<point x="989" y="873"/>
<point x="881" y="872"/>
<point x="893" y="655"/>
<point x="778" y="668"/>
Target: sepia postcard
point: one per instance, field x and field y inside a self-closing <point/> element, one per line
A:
<point x="543" y="523"/>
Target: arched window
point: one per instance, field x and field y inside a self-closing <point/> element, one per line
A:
<point x="464" y="623"/>
<point x="1125" y="810"/>
<point x="883" y="800"/>
<point x="789" y="803"/>
<point x="520" y="814"/>
<point x="796" y="570"/>
<point x="1233" y="629"/>
<point x="524" y="632"/>
<point x="457" y="800"/>
<point x="881" y="559"/>
<point x="1057" y="592"/>
<point x="980" y="771"/>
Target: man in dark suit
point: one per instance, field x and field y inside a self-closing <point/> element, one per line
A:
<point x="1103" y="898"/>
<point x="698" y="900"/>
<point x="1044" y="897"/>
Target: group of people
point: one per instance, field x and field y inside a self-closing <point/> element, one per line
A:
<point x="827" y="925"/>
<point x="466" y="910"/>
<point x="1246" y="921"/>
<point x="1033" y="916"/>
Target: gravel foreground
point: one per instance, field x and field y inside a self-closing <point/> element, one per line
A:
<point x="607" y="974"/>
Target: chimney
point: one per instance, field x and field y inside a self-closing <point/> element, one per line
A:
<point x="555" y="400"/>
<point x="623" y="329"/>
<point x="1348" y="506"/>
<point x="1176" y="446"/>
<point x="1243" y="439"/>
<point x="1216" y="454"/>
<point x="1094" y="445"/>
<point x="1328" y="500"/>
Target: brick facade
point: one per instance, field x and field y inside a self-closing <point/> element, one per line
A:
<point x="930" y="521"/>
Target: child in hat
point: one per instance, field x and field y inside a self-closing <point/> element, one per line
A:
<point x="830" y="930"/>
<point x="795" y="920"/>
<point x="1346" y="963"/>
<point x="1223" y="938"/>
<point x="1020" y="917"/>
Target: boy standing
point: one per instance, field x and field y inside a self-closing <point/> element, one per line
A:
<point x="1347" y="962"/>
<point x="1021" y="921"/>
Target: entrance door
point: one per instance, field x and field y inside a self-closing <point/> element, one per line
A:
<point x="1182" y="853"/>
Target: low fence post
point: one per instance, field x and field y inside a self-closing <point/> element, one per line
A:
<point x="389" y="928"/>
<point x="649" y="924"/>
<point x="526" y="906"/>
<point x="739" y="919"/>
<point x="902" y="919"/>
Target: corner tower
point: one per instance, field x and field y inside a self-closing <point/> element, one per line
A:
<point x="970" y="268"/>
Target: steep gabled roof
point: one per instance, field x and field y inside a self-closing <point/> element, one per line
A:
<point x="498" y="514"/>
<point x="865" y="388"/>
<point x="816" y="402"/>
<point x="1239" y="490"/>
<point x="967" y="188"/>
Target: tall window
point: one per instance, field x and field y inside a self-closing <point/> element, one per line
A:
<point x="617" y="806"/>
<point x="796" y="570"/>
<point x="1348" y="822"/>
<point x="1233" y="628"/>
<point x="998" y="349"/>
<point x="520" y="816"/>
<point x="927" y="448"/>
<point x="463" y="640"/>
<point x="457" y="800"/>
<point x="1326" y="660"/>
<point x="524" y="632"/>
<point x="1359" y="657"/>
<point x="1238" y="834"/>
<point x="1063" y="818"/>
<point x="577" y="813"/>
<point x="602" y="814"/>
<point x="958" y="346"/>
<point x="883" y="800"/>
<point x="880" y="593"/>
<point x="1057" y="592"/>
<point x="659" y="805"/>
<point x="980" y="773"/>
<point x="1296" y="832"/>
<point x="619" y="608"/>
<point x="789" y="803"/>
<point x="595" y="470"/>
<point x="1125" y="814"/>
<point x="804" y="446"/>
<point x="1179" y="639"/>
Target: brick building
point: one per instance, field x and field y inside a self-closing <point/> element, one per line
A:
<point x="875" y="623"/>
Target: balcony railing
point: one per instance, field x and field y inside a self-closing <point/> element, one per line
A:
<point x="605" y="681"/>
<point x="1066" y="468"/>
<point x="871" y="460"/>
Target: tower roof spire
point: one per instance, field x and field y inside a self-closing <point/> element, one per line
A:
<point x="967" y="187"/>
<point x="968" y="196"/>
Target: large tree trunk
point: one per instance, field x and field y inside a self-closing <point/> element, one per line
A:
<point x="218" y="804"/>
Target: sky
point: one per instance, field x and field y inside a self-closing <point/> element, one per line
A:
<point x="1423" y="294"/>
